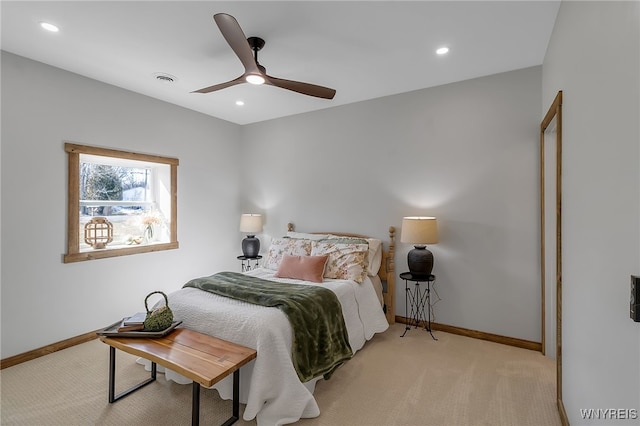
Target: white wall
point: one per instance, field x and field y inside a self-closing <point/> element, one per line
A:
<point x="594" y="58"/>
<point x="464" y="152"/>
<point x="44" y="300"/>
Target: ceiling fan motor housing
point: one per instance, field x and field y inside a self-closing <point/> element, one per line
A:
<point x="256" y="43"/>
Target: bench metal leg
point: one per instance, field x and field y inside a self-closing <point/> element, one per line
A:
<point x="195" y="403"/>
<point x="112" y="378"/>
<point x="236" y="394"/>
<point x="236" y="399"/>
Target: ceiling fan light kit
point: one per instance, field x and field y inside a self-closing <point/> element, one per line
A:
<point x="246" y="49"/>
<point x="254" y="79"/>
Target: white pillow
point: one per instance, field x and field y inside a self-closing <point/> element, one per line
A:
<point x="375" y="256"/>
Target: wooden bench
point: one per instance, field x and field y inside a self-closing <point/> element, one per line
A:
<point x="204" y="359"/>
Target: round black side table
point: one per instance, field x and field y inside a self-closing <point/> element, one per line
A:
<point x="247" y="264"/>
<point x="417" y="300"/>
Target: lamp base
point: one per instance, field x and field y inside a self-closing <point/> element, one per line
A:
<point x="250" y="247"/>
<point x="420" y="262"/>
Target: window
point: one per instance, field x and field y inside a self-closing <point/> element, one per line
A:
<point x="119" y="203"/>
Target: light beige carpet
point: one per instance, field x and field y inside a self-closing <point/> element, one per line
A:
<point x="412" y="381"/>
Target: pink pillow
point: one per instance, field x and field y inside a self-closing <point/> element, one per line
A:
<point x="307" y="268"/>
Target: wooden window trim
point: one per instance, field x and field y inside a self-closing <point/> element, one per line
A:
<point x="73" y="203"/>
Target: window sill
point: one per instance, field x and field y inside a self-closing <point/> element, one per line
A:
<point x="102" y="254"/>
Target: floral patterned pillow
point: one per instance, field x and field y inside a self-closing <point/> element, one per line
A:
<point x="375" y="250"/>
<point x="346" y="261"/>
<point x="281" y="246"/>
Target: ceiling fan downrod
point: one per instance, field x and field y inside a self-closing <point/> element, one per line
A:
<point x="256" y="43"/>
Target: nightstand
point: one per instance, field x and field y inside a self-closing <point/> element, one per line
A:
<point x="249" y="263"/>
<point x="417" y="300"/>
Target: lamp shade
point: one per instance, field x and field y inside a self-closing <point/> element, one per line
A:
<point x="420" y="231"/>
<point x="251" y="223"/>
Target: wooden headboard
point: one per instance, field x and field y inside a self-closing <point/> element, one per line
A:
<point x="386" y="272"/>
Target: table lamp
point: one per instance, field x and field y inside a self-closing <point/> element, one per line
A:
<point x="420" y="231"/>
<point x="251" y="224"/>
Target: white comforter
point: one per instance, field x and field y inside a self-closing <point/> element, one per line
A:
<point x="269" y="385"/>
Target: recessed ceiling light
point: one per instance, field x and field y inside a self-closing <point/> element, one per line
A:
<point x="165" y="78"/>
<point x="442" y="51"/>
<point x="49" y="27"/>
<point x="239" y="103"/>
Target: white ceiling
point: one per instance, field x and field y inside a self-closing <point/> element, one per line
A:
<point x="364" y="50"/>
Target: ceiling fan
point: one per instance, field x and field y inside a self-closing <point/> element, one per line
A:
<point x="247" y="51"/>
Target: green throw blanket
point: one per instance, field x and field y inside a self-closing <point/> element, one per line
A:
<point x="320" y="338"/>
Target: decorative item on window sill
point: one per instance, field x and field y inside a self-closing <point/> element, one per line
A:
<point x="98" y="232"/>
<point x="420" y="231"/>
<point x="160" y="318"/>
<point x="134" y="240"/>
<point x="148" y="232"/>
<point x="149" y="221"/>
<point x="251" y="224"/>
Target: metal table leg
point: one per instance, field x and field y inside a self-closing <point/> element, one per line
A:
<point x="112" y="378"/>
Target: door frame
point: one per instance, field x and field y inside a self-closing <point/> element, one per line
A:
<point x="554" y="112"/>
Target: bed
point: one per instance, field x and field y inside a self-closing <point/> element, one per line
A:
<point x="274" y="390"/>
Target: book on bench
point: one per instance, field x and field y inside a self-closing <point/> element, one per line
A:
<point x="133" y="323"/>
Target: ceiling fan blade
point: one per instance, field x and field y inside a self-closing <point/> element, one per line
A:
<point x="234" y="35"/>
<point x="215" y="87"/>
<point x="300" y="87"/>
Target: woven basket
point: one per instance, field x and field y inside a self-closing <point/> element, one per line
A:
<point x="160" y="318"/>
